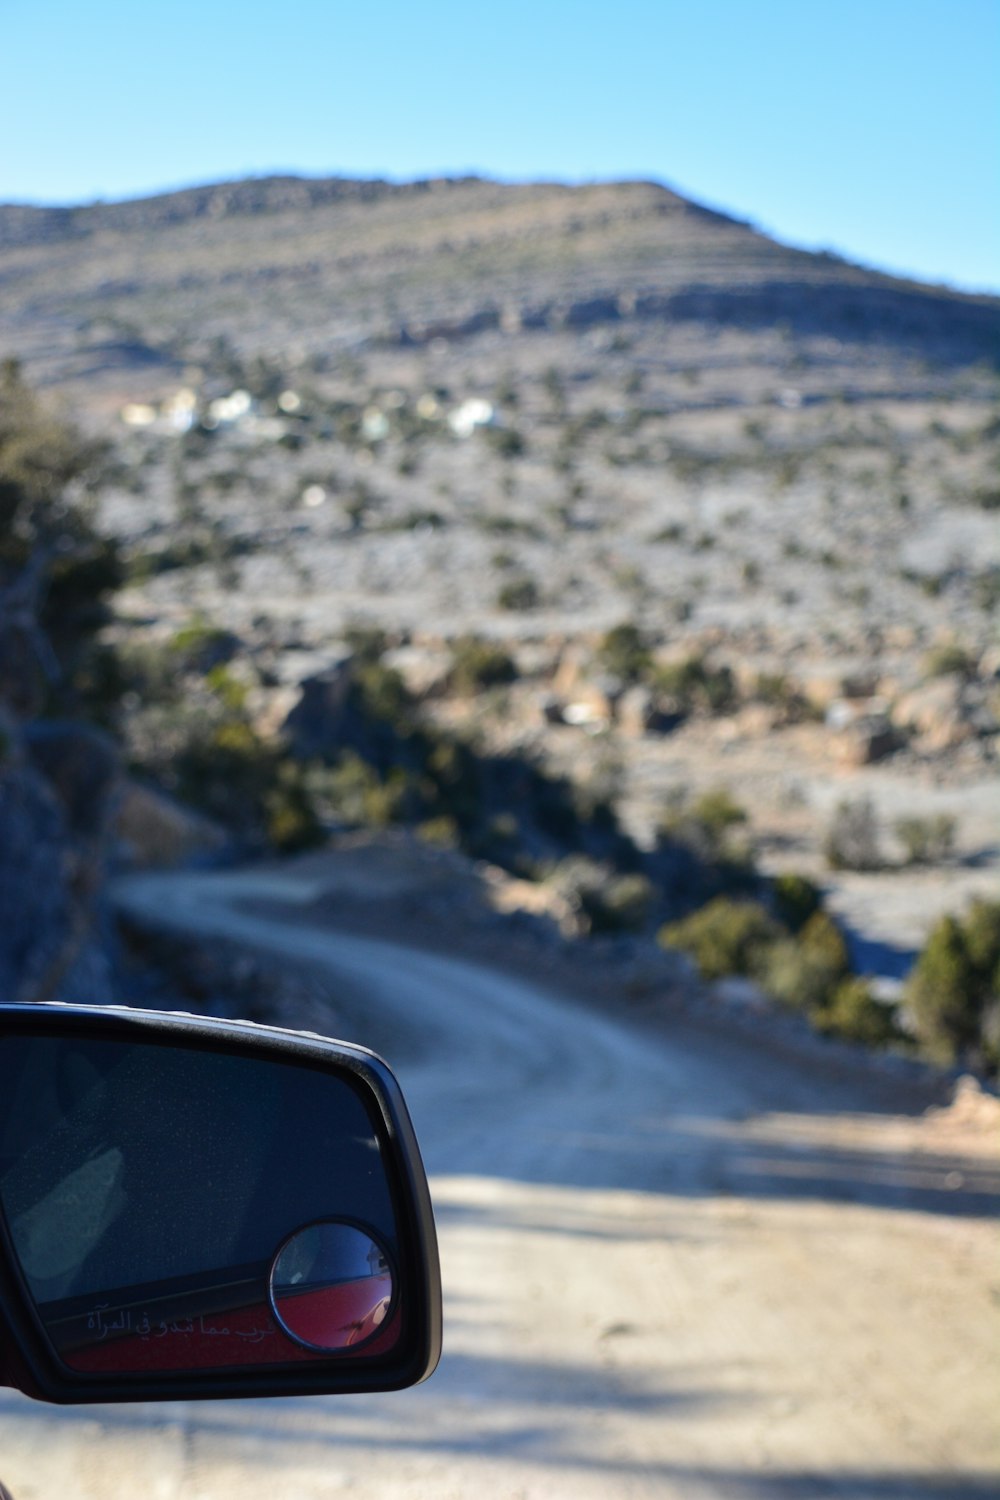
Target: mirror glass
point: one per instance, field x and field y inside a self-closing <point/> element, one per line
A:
<point x="331" y="1286"/>
<point x="154" y="1196"/>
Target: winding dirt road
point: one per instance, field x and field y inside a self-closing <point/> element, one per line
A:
<point x="676" y="1264"/>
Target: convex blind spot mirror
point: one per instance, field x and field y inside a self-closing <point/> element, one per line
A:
<point x="332" y="1286"/>
<point x="192" y="1207"/>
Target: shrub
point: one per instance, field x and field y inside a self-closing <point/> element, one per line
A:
<point x="795" y="900"/>
<point x="366" y="643"/>
<point x="707" y="824"/>
<point x="227" y="770"/>
<point x="853" y="840"/>
<point x="624" y="652"/>
<point x="696" y="684"/>
<point x="724" y="937"/>
<point x="955" y="983"/>
<point x="506" y="442"/>
<point x="853" y="1014"/>
<point x="443" y="832"/>
<point x="608" y="901"/>
<point x="718" y="813"/>
<point x="382" y="693"/>
<point x="622" y="904"/>
<point x="355" y="793"/>
<point x="823" y="939"/>
<point x="803" y="972"/>
<point x="291" y="822"/>
<point x="796" y="977"/>
<point x="774" y="689"/>
<point x="519" y="593"/>
<point x="478" y="664"/>
<point x="926" y="841"/>
<point x="199" y="646"/>
<point x="949" y="657"/>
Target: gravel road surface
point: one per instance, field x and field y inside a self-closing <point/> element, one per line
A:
<point x="676" y="1264"/>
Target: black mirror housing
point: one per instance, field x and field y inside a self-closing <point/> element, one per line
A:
<point x="196" y="1208"/>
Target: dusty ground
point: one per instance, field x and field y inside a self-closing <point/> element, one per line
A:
<point x="677" y="1262"/>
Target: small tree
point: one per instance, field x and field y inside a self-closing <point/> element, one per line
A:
<point x="853" y="839"/>
<point x="854" y="1014"/>
<point x="624" y="652"/>
<point x="956" y="982"/>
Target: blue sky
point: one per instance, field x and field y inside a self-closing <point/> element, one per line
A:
<point x="867" y="126"/>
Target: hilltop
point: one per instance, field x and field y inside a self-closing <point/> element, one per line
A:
<point x="312" y="266"/>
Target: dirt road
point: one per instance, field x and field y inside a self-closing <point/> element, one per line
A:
<point x="676" y="1265"/>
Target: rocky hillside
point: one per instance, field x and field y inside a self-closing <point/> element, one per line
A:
<point x="308" y="267"/>
<point x="728" y="508"/>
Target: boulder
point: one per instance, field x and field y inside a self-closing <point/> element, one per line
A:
<point x="315" y="725"/>
<point x="156" y="832"/>
<point x="640" y="711"/>
<point x="866" y="739"/>
<point x="936" y="714"/>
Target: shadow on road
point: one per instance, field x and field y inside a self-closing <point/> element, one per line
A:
<point x="718" y="1160"/>
<point x="248" y="1432"/>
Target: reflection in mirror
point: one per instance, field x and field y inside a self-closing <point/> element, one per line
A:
<point x="331" y="1286"/>
<point x="145" y="1186"/>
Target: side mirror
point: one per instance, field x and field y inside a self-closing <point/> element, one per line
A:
<point x="197" y="1208"/>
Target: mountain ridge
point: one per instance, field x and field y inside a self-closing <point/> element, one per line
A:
<point x="322" y="264"/>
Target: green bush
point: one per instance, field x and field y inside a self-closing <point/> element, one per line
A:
<point x="228" y="771"/>
<point x="926" y="841"/>
<point x="442" y="832"/>
<point x="853" y="1014"/>
<point x="624" y="652"/>
<point x="801" y="979"/>
<point x="707" y="826"/>
<point x="519" y="593"/>
<point x="949" y="657"/>
<point x="507" y="442"/>
<point x="694" y="683"/>
<point x="477" y="664"/>
<point x="804" y="972"/>
<point x="366" y="643"/>
<point x="199" y="646"/>
<point x="621" y="904"/>
<point x="354" y="792"/>
<point x="382" y="693"/>
<point x="291" y="821"/>
<point x="607" y="900"/>
<point x="955" y="985"/>
<point x="822" y="938"/>
<point x="724" y="937"/>
<point x="795" y="899"/>
<point x="719" y="813"/>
